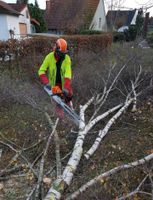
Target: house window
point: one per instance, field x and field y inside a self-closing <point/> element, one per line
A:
<point x="100" y="22"/>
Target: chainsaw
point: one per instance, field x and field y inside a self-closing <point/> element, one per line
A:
<point x="58" y="96"/>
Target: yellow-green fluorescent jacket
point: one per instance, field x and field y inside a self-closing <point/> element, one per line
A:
<point x="48" y="67"/>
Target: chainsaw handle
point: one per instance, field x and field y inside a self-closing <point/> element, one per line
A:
<point x="61" y="93"/>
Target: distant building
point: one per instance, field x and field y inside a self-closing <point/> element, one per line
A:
<point x="15" y="20"/>
<point x="9" y="21"/>
<point x="121" y="19"/>
<point x="150" y="24"/>
<point x="74" y="15"/>
<point x="24" y="18"/>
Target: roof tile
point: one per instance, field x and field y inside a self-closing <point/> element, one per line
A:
<point x="17" y="7"/>
<point x="6" y="8"/>
<point x="70" y="14"/>
<point x="119" y="18"/>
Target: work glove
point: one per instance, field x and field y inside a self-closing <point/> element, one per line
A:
<point x="44" y="79"/>
<point x="67" y="90"/>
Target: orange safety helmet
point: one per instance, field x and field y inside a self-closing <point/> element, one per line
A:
<point x="61" y="45"/>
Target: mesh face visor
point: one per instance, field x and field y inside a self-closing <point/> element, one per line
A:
<point x="59" y="53"/>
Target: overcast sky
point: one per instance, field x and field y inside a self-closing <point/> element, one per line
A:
<point x="127" y="3"/>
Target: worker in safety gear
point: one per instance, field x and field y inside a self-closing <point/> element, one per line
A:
<point x="56" y="69"/>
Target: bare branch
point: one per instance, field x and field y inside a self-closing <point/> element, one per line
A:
<point x="41" y="168"/>
<point x="109" y="173"/>
<point x="29" y="196"/>
<point x="12" y="170"/>
<point x="100" y="117"/>
<point x="104" y="97"/>
<point x="19" y="152"/>
<point x="135" y="191"/>
<point x="102" y="133"/>
<point x="57" y="146"/>
<point x="151" y="181"/>
<point x="61" y="183"/>
<point x="57" y="153"/>
<point x="12" y="176"/>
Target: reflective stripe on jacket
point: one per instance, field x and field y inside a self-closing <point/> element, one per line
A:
<point x="48" y="67"/>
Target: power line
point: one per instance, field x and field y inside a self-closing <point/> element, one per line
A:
<point x="123" y="7"/>
<point x="142" y="4"/>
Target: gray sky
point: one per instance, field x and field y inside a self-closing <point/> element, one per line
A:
<point x="127" y="3"/>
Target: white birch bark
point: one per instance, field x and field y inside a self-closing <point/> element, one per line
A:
<point x="109" y="173"/>
<point x="64" y="181"/>
<point x="60" y="184"/>
<point x="100" y="117"/>
<point x="134" y="108"/>
<point x="102" y="133"/>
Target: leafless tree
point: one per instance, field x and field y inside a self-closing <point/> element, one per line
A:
<point x="93" y="112"/>
<point x="86" y="125"/>
<point x="114" y="4"/>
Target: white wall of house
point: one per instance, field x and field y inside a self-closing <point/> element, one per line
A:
<point x="99" y="20"/>
<point x="4" y="34"/>
<point x="24" y="18"/>
<point x="133" y="22"/>
<point x="8" y="22"/>
<point x="13" y="24"/>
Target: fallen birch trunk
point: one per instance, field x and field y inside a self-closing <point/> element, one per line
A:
<point x="109" y="173"/>
<point x="60" y="184"/>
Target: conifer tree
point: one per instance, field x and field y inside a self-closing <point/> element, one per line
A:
<point x="37" y="14"/>
<point x="22" y="1"/>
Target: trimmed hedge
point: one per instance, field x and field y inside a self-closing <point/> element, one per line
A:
<point x="43" y="45"/>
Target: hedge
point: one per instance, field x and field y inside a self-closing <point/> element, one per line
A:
<point x="43" y="45"/>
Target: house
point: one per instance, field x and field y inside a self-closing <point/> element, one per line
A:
<point x="26" y="22"/>
<point x="121" y="19"/>
<point x="15" y="20"/>
<point x="150" y="24"/>
<point x="75" y="15"/>
<point x="23" y="19"/>
<point x="8" y="20"/>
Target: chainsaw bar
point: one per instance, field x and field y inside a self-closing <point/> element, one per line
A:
<point x="71" y="113"/>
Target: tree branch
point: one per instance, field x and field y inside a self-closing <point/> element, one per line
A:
<point x="102" y="133"/>
<point x="19" y="153"/>
<point x="41" y="167"/>
<point x="109" y="173"/>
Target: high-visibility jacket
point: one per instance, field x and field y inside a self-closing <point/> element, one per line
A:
<point x="48" y="67"/>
